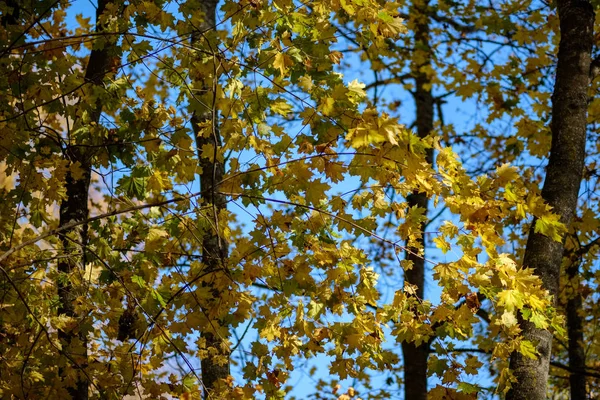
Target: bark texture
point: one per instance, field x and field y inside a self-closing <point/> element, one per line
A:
<point x="74" y="209"/>
<point x="214" y="248"/>
<point x="561" y="186"/>
<point x="415" y="357"/>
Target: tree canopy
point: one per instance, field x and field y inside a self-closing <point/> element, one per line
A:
<point x="333" y="199"/>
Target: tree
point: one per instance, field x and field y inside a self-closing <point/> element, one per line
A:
<point x="214" y="246"/>
<point x="415" y="364"/>
<point x="561" y="187"/>
<point x="74" y="209"/>
<point x="209" y="205"/>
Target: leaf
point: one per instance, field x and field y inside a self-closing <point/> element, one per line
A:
<point x="442" y="244"/>
<point x="139" y="280"/>
<point x="208" y="152"/>
<point x="314" y="309"/>
<point x="306" y="83"/>
<point x="282" y="62"/>
<point x="549" y="225"/>
<point x="356" y="91"/>
<point x="76" y="171"/>
<point x="388" y="26"/>
<point x="270" y="332"/>
<point x="468" y="388"/>
<point x="281" y="107"/>
<point x="327" y="106"/>
<point x="155" y="238"/>
<point x="506" y="173"/>
<point x="510" y="299"/>
<point x="528" y="349"/>
<point x="133" y="187"/>
<point x="539" y="320"/>
<point x="472" y="365"/>
<point x="509" y="319"/>
<point x="159" y="182"/>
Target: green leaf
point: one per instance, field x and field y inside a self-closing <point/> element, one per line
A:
<point x="139" y="280"/>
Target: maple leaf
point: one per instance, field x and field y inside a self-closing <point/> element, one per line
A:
<point x="509" y="319"/>
<point x="282" y="62"/>
<point x="528" y="349"/>
<point x="388" y="26"/>
<point x="550" y="225"/>
<point x="510" y="299"/>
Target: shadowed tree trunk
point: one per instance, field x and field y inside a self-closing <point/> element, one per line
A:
<point x="214" y="247"/>
<point x="415" y="357"/>
<point x="561" y="186"/>
<point x="74" y="209"/>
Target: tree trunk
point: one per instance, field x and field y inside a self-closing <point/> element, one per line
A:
<point x="577" y="379"/>
<point x="214" y="247"/>
<point x="415" y="357"/>
<point x="74" y="340"/>
<point x="561" y="187"/>
<point x="75" y="208"/>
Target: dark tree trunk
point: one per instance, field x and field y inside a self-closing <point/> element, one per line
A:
<point x="74" y="209"/>
<point x="415" y="357"/>
<point x="214" y="247"/>
<point x="74" y="341"/>
<point x="563" y="177"/>
<point x="574" y="309"/>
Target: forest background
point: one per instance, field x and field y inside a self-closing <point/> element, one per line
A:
<point x="226" y="199"/>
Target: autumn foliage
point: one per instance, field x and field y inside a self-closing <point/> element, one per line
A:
<point x="223" y="199"/>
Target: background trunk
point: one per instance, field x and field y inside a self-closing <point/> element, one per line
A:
<point x="415" y="357"/>
<point x="75" y="208"/>
<point x="563" y="177"/>
<point x="74" y="340"/>
<point x="214" y="247"/>
<point x="574" y="309"/>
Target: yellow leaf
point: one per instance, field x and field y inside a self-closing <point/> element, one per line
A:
<point x="159" y="181"/>
<point x="388" y="26"/>
<point x="6" y="180"/>
<point x="506" y="173"/>
<point x="354" y="340"/>
<point x="445" y="271"/>
<point x="442" y="244"/>
<point x="270" y="332"/>
<point x="528" y="349"/>
<point x="549" y="225"/>
<point x="281" y="107"/>
<point x="282" y="62"/>
<point x="306" y="83"/>
<point x="36" y="376"/>
<point x="151" y="144"/>
<point x="327" y="105"/>
<point x="539" y="320"/>
<point x="390" y="129"/>
<point x="357" y="88"/>
<point x="92" y="272"/>
<point x="155" y="238"/>
<point x="208" y="152"/>
<point x="510" y="300"/>
<point x="508" y="319"/>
